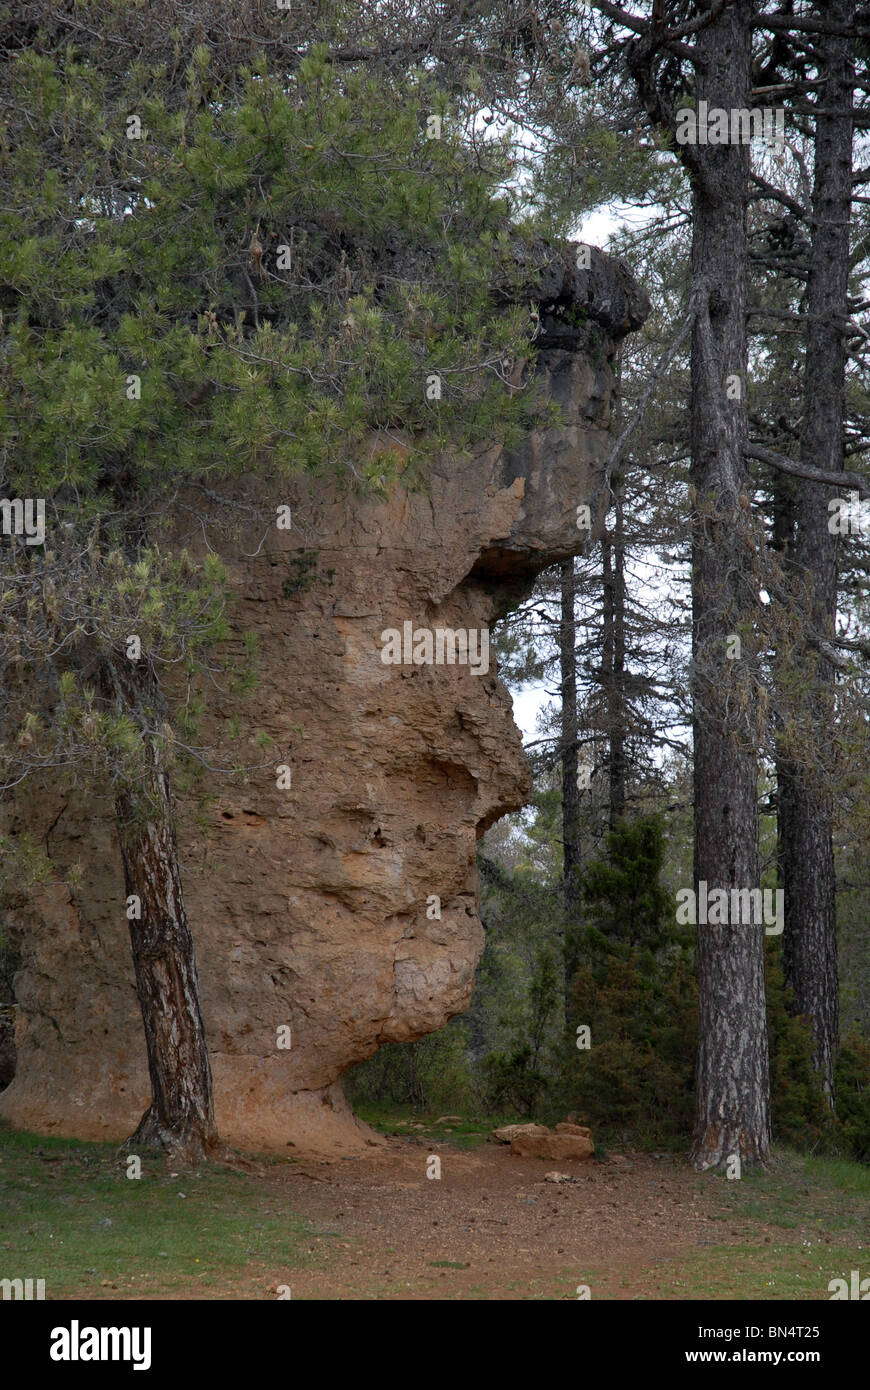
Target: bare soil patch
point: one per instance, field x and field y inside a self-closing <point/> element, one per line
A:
<point x="493" y="1227"/>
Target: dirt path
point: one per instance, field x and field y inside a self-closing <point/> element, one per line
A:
<point x="493" y="1227"/>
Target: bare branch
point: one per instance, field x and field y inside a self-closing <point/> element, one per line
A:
<point x="857" y="482"/>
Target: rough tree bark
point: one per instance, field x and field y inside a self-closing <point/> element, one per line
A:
<point x="805" y="803"/>
<point x="613" y="650"/>
<point x="571" y="859"/>
<point x="180" y="1119"/>
<point x="732" y="1080"/>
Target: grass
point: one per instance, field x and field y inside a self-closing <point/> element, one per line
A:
<point x="72" y="1217"/>
<point x="828" y="1196"/>
<point x="822" y="1203"/>
<point x="403" y="1121"/>
<point x="769" y="1272"/>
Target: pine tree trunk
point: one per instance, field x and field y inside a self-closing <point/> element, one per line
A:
<point x="732" y="1096"/>
<point x="571" y="860"/>
<point x="180" y="1119"/>
<point x="805" y="803"/>
<point x="614" y="605"/>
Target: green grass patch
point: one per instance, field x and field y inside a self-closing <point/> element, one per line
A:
<point x="749" y="1272"/>
<point x="823" y="1197"/>
<point x="428" y="1126"/>
<point x="823" y="1204"/>
<point x="73" y="1218"/>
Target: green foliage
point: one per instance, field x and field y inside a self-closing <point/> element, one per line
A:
<point x="302" y="573"/>
<point x="634" y="989"/>
<point x="516" y="1015"/>
<point x="799" y="1114"/>
<point x="24" y="865"/>
<point x="628" y="905"/>
<point x="430" y="1074"/>
<point x="852" y="1088"/>
<point x="132" y="256"/>
<point x="70" y="610"/>
<point x="519" y="1077"/>
<point x="258" y="287"/>
<point x="636" y="1080"/>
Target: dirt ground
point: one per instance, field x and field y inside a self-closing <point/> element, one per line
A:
<point x="493" y="1227"/>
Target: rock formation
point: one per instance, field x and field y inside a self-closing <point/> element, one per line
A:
<point x="316" y="908"/>
<point x="565" y="1141"/>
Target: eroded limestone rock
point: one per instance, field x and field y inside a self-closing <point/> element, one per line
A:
<point x="564" y="1141"/>
<point x="313" y="908"/>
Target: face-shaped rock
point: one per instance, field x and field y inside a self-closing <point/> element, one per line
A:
<point x="333" y="905"/>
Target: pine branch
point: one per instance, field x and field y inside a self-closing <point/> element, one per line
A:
<point x="857" y="482"/>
